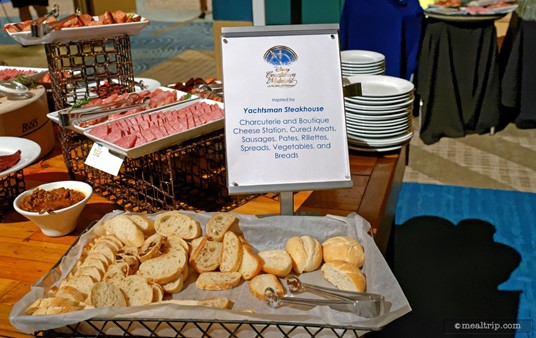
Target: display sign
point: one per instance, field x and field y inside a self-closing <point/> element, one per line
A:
<point x="285" y="124"/>
<point x="100" y="157"/>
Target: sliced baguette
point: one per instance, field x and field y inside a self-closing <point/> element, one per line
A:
<point x="251" y="264"/>
<point x="125" y="230"/>
<point x="219" y="224"/>
<point x="144" y="223"/>
<point x="216" y="280"/>
<point x="206" y="256"/>
<point x="231" y="257"/>
<point x="164" y="268"/>
<point x="276" y="262"/>
<point x="136" y="290"/>
<point x="151" y="247"/>
<point x="175" y="223"/>
<point x="258" y="285"/>
<point x="107" y="295"/>
<point x="175" y="243"/>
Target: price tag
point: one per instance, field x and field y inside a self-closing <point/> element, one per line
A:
<point x="101" y="158"/>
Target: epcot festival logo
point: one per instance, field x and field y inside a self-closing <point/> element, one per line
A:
<point x="280" y="57"/>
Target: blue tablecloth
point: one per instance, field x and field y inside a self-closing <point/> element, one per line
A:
<point x="390" y="27"/>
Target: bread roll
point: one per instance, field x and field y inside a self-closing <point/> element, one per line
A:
<point x="343" y="248"/>
<point x="306" y="253"/>
<point x="344" y="275"/>
<point x="276" y="262"/>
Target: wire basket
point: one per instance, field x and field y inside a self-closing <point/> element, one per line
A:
<point x="11" y="186"/>
<point x="195" y="328"/>
<point x="89" y="68"/>
<point x="188" y="176"/>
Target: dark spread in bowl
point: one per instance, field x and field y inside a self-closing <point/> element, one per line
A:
<point x="42" y="201"/>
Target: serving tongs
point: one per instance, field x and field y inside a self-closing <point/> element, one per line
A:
<point x="366" y="305"/>
<point x="36" y="26"/>
<point x="39" y="29"/>
<point x="71" y="115"/>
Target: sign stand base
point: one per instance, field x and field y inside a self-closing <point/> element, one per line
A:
<point x="286" y="203"/>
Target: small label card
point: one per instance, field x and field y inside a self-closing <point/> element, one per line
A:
<point x="101" y="158"/>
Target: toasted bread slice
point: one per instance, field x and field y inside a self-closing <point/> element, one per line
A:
<point x="175" y="223"/>
<point x="164" y="268"/>
<point x="232" y="252"/>
<point x="216" y="280"/>
<point x="219" y="224"/>
<point x="207" y="256"/>
<point x="107" y="295"/>
<point x="258" y="285"/>
<point x="276" y="262"/>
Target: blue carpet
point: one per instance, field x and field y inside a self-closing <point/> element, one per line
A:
<point x="510" y="219"/>
<point x="160" y="41"/>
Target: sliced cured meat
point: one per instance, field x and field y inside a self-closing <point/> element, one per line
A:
<point x="8" y="161"/>
<point x="157" y="125"/>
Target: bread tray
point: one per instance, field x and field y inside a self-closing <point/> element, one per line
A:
<point x="163" y="142"/>
<point x="80" y="33"/>
<point x="248" y="316"/>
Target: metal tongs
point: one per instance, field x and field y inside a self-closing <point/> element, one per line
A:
<point x="71" y="115"/>
<point x="40" y="27"/>
<point x="367" y="305"/>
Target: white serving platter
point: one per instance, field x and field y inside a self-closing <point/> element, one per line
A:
<point x="382" y="85"/>
<point x="164" y="142"/>
<point x="54" y="116"/>
<point x="80" y="33"/>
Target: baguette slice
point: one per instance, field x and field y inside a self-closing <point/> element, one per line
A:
<point x="344" y="275"/>
<point x="215" y="280"/>
<point x="276" y="262"/>
<point x="175" y="223"/>
<point x="260" y="283"/>
<point x="136" y="290"/>
<point x="219" y="224"/>
<point x="82" y="283"/>
<point x="145" y="224"/>
<point x="163" y="269"/>
<point x="231" y="257"/>
<point x="206" y="256"/>
<point x="251" y="264"/>
<point x="126" y="230"/>
<point x="107" y="295"/>
<point x="218" y="302"/>
<point x="71" y="293"/>
<point x="151" y="247"/>
<point x="176" y="243"/>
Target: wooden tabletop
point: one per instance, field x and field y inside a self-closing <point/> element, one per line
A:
<point x="26" y="254"/>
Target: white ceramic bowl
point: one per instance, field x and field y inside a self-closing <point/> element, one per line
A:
<point x="59" y="222"/>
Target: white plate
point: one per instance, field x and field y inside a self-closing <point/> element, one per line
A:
<point x="375" y="67"/>
<point x="464" y="18"/>
<point x="380" y="117"/>
<point x="347" y="73"/>
<point x="385" y="102"/>
<point x="29" y="151"/>
<point x="356" y="56"/>
<point x="382" y="85"/>
<point x="361" y="124"/>
<point x="380" y="142"/>
<point x="150" y="84"/>
<point x="374" y="150"/>
<point x="80" y="33"/>
<point x="377" y="135"/>
<point x="389" y="127"/>
<point x="384" y="107"/>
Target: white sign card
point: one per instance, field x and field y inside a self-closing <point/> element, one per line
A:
<point x="285" y="124"/>
<point x="101" y="158"/>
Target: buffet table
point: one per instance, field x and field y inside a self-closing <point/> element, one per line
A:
<point x="26" y="254"/>
<point x="458" y="78"/>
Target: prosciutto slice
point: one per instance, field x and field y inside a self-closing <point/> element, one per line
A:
<point x="8" y="161"/>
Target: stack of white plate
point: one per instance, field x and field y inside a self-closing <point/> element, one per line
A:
<point x="380" y="119"/>
<point x="362" y="62"/>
